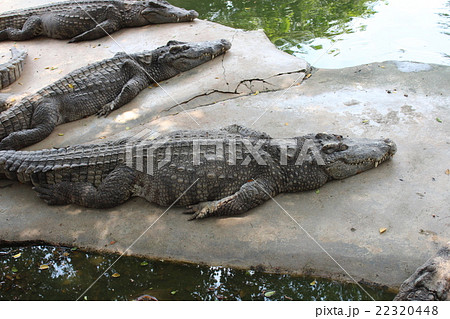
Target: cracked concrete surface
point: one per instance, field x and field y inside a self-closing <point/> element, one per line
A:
<point x="407" y="195"/>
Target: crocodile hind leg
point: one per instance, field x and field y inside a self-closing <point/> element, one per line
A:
<point x="130" y="90"/>
<point x="251" y="194"/>
<point x="114" y="190"/>
<point x="43" y="122"/>
<point x="31" y="29"/>
<point x="110" y="25"/>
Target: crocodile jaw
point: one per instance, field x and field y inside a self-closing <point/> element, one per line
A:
<point x="359" y="157"/>
<point x="185" y="56"/>
<point x="158" y="12"/>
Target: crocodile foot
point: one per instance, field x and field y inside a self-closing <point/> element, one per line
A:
<point x="201" y="210"/>
<point x="105" y="110"/>
<point x="8" y="144"/>
<point x="50" y="194"/>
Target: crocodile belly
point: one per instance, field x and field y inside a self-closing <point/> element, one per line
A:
<point x="66" y="25"/>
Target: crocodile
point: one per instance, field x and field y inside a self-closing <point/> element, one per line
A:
<point x="11" y="70"/>
<point x="431" y="281"/>
<point x="220" y="172"/>
<point x="83" y="20"/>
<point x="99" y="88"/>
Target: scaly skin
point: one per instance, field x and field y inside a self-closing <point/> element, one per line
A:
<point x="11" y="70"/>
<point x="431" y="281"/>
<point x="106" y="175"/>
<point x="83" y="20"/>
<point x="99" y="88"/>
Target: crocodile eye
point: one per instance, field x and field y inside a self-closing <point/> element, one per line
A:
<point x="334" y="147"/>
<point x="330" y="148"/>
<point x="174" y="42"/>
<point x="343" y="147"/>
<point x="322" y="136"/>
<point x="175" y="49"/>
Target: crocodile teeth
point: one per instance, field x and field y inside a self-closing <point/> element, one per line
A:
<point x="376" y="164"/>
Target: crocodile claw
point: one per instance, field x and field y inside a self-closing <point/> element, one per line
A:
<point x="201" y="210"/>
<point x="47" y="194"/>
<point x="105" y="110"/>
<point x="8" y="143"/>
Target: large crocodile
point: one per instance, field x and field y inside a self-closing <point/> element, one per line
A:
<point x="99" y="88"/>
<point x="87" y="19"/>
<point x="217" y="172"/>
<point x="431" y="281"/>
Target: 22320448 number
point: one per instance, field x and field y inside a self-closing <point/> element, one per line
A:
<point x="406" y="310"/>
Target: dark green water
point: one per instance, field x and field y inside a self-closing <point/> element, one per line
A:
<point x="71" y="272"/>
<point x="340" y="33"/>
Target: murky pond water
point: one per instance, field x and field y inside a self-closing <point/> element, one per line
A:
<point x="59" y="273"/>
<point x="340" y="33"/>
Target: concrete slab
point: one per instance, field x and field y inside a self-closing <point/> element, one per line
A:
<point x="253" y="64"/>
<point x="408" y="195"/>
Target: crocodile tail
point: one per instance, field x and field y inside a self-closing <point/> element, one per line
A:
<point x="20" y="165"/>
<point x="11" y="70"/>
<point x="16" y="118"/>
<point x="5" y="159"/>
<point x="14" y="19"/>
<point x="79" y="163"/>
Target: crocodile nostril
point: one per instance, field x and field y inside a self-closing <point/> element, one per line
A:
<point x="226" y="44"/>
<point x="393" y="146"/>
<point x="193" y="14"/>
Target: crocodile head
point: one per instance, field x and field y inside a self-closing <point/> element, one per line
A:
<point x="176" y="57"/>
<point x="158" y="11"/>
<point x="344" y="157"/>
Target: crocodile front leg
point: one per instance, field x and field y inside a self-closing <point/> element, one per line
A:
<point x="31" y="29"/>
<point x="250" y="195"/>
<point x="115" y="189"/>
<point x="131" y="89"/>
<point x="110" y="25"/>
<point x="43" y="122"/>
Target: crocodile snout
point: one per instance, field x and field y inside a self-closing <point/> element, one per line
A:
<point x="226" y="44"/>
<point x="392" y="145"/>
<point x="193" y="14"/>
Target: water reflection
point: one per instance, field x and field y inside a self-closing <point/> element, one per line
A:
<point x="70" y="272"/>
<point x="338" y="33"/>
<point x="444" y="22"/>
<point x="288" y="23"/>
